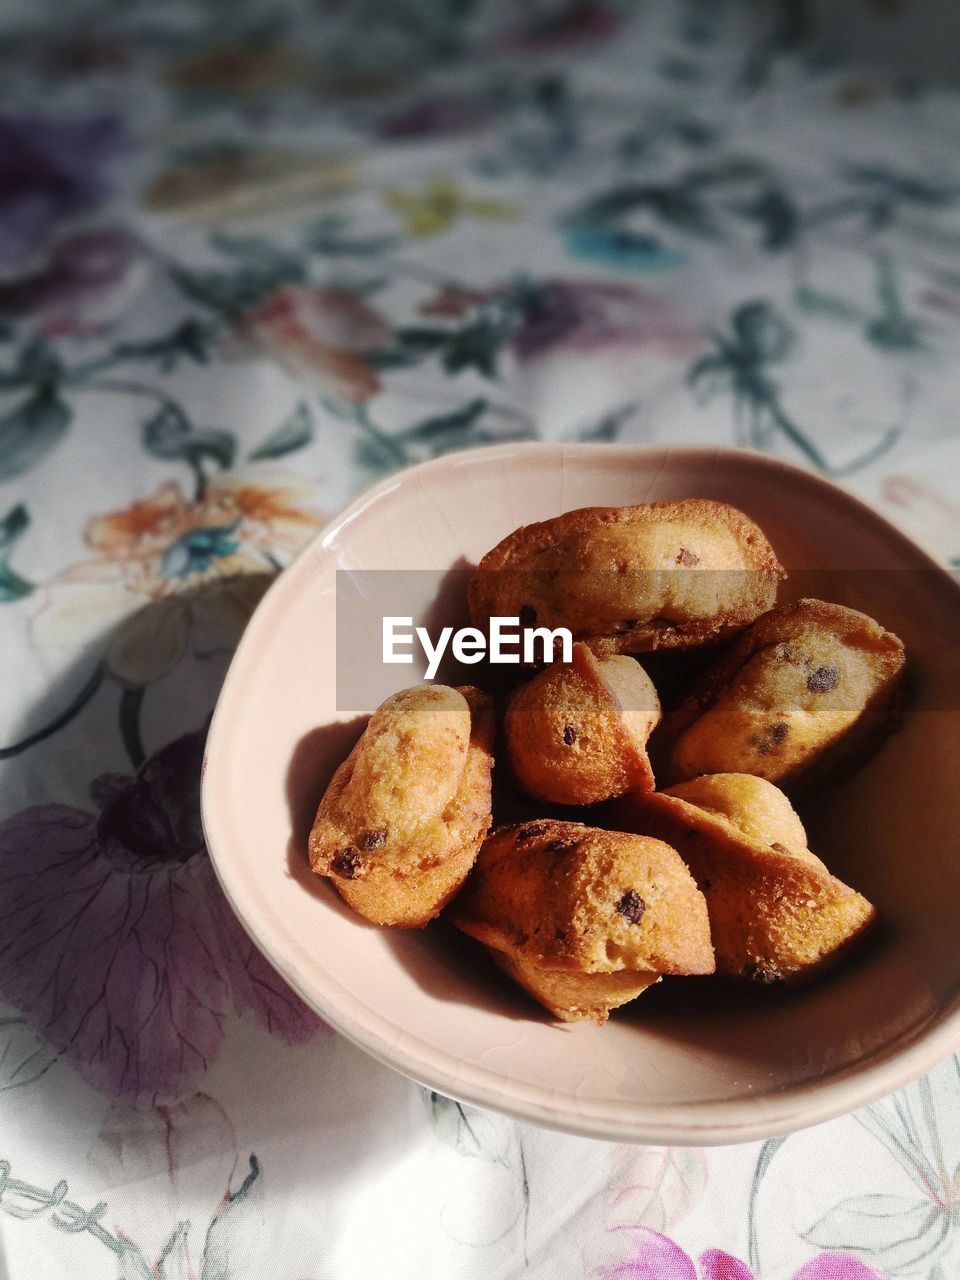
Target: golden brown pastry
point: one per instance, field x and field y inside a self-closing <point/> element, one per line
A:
<point x="584" y="919"/>
<point x="776" y="912"/>
<point x="807" y="683"/>
<point x="632" y="579"/>
<point x="577" y="732"/>
<point x="404" y="816"/>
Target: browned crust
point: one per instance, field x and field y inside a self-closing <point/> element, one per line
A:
<point x="397" y="891"/>
<point x="571" y="996"/>
<point x="771" y="889"/>
<point x="636" y="761"/>
<point x="781" y="624"/>
<point x="758" y="553"/>
<point x="523" y="899"/>
<point x="514" y="551"/>
<point x="626" y="760"/>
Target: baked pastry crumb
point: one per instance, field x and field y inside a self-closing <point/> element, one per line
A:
<point x="632" y="579"/>
<point x="401" y="822"/>
<point x="776" y="912"/>
<point x="577" y="732"/>
<point x="805" y="687"/>
<point x="584" y="919"/>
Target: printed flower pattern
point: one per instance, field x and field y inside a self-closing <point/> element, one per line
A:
<point x="437" y="116"/>
<point x="169" y="573"/>
<point x="656" y="1187"/>
<point x="51" y="170"/>
<point x="638" y="1253"/>
<point x="185" y="1152"/>
<point x="87" y="278"/>
<point x="908" y="1235"/>
<point x="319" y="335"/>
<point x="231" y="1247"/>
<point x="535" y="319"/>
<point x="118" y="944"/>
<point x="589" y="317"/>
<point x="241" y="179"/>
<point x="440" y="204"/>
<point x="624" y="249"/>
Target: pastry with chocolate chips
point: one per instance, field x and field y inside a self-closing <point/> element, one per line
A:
<point x="776" y="912"/>
<point x="401" y="822"/>
<point x="808" y="684"/>
<point x="660" y="575"/>
<point x="577" y="732"/>
<point x="584" y="919"/>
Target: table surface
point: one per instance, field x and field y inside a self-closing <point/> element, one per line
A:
<point x="252" y="258"/>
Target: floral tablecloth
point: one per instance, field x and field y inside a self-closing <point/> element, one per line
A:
<point x="251" y="258"/>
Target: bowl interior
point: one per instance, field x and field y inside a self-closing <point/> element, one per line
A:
<point x="691" y="1060"/>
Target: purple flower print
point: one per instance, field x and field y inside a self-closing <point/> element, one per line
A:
<point x="643" y="1254"/>
<point x="592" y="316"/>
<point x="50" y="171"/>
<point x="572" y="25"/>
<point x="85" y="274"/>
<point x="438" y="115"/>
<point x="717" y="1265"/>
<point x="116" y="941"/>
<point x="646" y="1255"/>
<point x="835" y="1266"/>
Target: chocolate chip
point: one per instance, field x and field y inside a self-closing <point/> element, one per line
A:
<point x="781" y="848"/>
<point x="823" y="679"/>
<point x="569" y="734"/>
<point x="632" y="906"/>
<point x="347" y="864"/>
<point x="560" y="935"/>
<point x="530" y="830"/>
<point x="559" y="846"/>
<point x="687" y="557"/>
<point x="775" y="736"/>
<point x="528" y="615"/>
<point x="759" y="973"/>
<point x="374" y="839"/>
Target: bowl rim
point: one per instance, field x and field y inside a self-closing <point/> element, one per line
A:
<point x="700" y="1123"/>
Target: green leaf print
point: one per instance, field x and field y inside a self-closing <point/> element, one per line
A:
<point x="445" y="430"/>
<point x="901" y="1235"/>
<point x="295" y="432"/>
<point x="234" y="1230"/>
<point x="30" y="430"/>
<point x="12" y="527"/>
<point x="169" y="434"/>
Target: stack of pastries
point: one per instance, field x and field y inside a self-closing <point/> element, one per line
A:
<point x="709" y="874"/>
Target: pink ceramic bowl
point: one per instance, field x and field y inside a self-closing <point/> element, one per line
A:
<point x="691" y="1061"/>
